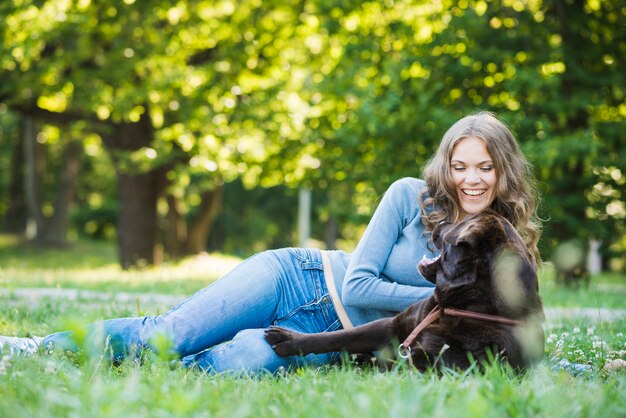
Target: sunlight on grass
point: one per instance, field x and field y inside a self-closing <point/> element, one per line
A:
<point x="93" y="265"/>
<point x="8" y="241"/>
<point x="204" y="267"/>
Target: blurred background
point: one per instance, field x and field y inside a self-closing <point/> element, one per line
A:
<point x="174" y="128"/>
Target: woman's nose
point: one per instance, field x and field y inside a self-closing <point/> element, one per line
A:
<point x="472" y="177"/>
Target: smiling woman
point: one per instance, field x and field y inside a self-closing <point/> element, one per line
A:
<point x="479" y="164"/>
<point x="473" y="174"/>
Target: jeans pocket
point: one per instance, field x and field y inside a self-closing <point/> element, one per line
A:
<point x="306" y="259"/>
<point x="317" y="316"/>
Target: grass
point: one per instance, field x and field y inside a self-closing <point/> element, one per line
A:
<point x="93" y="265"/>
<point x="60" y="385"/>
<point x="607" y="290"/>
<point x="53" y="387"/>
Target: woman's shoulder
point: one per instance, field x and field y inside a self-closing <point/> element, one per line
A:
<point x="407" y="193"/>
<point x="414" y="184"/>
<point x="412" y="193"/>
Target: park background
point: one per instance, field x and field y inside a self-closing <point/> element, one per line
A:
<point x="147" y="146"/>
<point x="192" y="126"/>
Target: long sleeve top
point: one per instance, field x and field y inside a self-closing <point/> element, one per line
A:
<point x="380" y="278"/>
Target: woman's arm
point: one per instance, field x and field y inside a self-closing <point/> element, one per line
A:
<point x="364" y="285"/>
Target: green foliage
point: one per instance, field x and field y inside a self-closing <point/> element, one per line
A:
<point x="342" y="97"/>
<point x="406" y="71"/>
<point x="201" y="80"/>
<point x="254" y="220"/>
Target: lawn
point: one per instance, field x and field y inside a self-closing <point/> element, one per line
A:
<point x="60" y="385"/>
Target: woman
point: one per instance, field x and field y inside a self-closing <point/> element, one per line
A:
<point x="221" y="328"/>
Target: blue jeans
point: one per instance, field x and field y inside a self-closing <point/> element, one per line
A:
<point x="221" y="327"/>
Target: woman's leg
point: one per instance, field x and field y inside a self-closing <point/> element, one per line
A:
<point x="283" y="287"/>
<point x="246" y="297"/>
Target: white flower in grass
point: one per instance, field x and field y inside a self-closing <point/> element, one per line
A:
<point x="5" y="363"/>
<point x="598" y="343"/>
<point x="590" y="330"/>
<point x="565" y="335"/>
<point x="551" y="338"/>
<point x="620" y="334"/>
<point x="576" y="330"/>
<point x="51" y="368"/>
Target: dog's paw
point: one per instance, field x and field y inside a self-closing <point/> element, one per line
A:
<point x="282" y="341"/>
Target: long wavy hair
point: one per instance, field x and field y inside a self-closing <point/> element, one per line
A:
<point x="516" y="192"/>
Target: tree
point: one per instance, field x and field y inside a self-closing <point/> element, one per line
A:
<point x="164" y="87"/>
<point x="403" y="72"/>
<point x="340" y="97"/>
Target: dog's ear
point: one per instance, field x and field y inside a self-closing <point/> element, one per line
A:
<point x="468" y="234"/>
<point x="484" y="228"/>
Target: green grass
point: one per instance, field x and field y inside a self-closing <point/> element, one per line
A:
<point x="607" y="290"/>
<point x="93" y="265"/>
<point x="60" y="385"/>
<point x="56" y="387"/>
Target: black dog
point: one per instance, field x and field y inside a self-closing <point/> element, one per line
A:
<point x="486" y="302"/>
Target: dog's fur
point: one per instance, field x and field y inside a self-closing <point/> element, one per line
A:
<point x="484" y="267"/>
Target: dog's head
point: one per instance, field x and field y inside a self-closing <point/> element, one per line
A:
<point x="483" y="262"/>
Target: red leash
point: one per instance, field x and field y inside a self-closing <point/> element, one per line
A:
<point x="405" y="348"/>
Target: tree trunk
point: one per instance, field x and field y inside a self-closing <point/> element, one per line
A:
<point x="138" y="193"/>
<point x="137" y="219"/>
<point x="175" y="228"/>
<point x="55" y="231"/>
<point x="16" y="214"/>
<point x="331" y="233"/>
<point x="32" y="163"/>
<point x="200" y="227"/>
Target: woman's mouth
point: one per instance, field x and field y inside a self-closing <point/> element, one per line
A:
<point x="473" y="193"/>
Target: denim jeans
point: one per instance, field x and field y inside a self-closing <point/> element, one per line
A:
<point x="221" y="327"/>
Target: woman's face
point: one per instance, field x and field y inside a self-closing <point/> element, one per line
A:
<point x="473" y="175"/>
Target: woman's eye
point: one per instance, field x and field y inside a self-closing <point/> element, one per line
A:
<point x="458" y="168"/>
<point x="486" y="169"/>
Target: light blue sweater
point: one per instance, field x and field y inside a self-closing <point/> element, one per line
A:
<point x="380" y="278"/>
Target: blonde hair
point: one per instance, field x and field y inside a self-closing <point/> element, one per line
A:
<point x="516" y="194"/>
